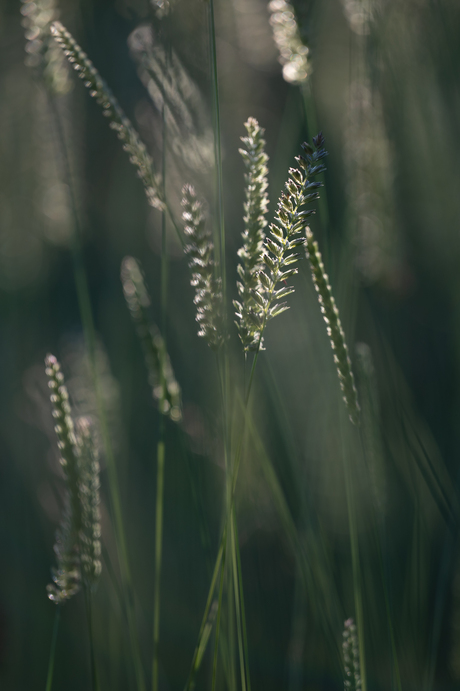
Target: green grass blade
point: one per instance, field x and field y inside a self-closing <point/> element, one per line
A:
<point x="200" y="646"/>
<point x="219" y="614"/>
<point x="158" y="554"/>
<point x="52" y="657"/>
<point x="236" y="591"/>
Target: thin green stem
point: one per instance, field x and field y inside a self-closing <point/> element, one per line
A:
<point x="219" y="614"/>
<point x="198" y="654"/>
<point x="219" y="240"/>
<point x="219" y="564"/>
<point x="355" y="560"/>
<point x="94" y="675"/>
<point x="161" y="447"/>
<point x="49" y="677"/>
<point x="239" y="603"/>
<point x="86" y="314"/>
<point x="158" y="553"/>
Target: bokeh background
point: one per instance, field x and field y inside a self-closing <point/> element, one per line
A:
<point x="385" y="90"/>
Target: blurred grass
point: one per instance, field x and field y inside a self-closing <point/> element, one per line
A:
<point x="291" y="503"/>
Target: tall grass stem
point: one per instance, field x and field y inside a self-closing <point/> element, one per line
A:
<point x="52" y="656"/>
<point x="86" y="314"/>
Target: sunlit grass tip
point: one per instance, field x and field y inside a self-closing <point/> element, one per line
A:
<point x="78" y="538"/>
<point x="208" y="288"/>
<point x="255" y="209"/>
<point x="118" y="121"/>
<point x="286" y="235"/>
<point x="165" y="388"/>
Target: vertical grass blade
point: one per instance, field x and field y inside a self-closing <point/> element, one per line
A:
<point x="52" y="656"/>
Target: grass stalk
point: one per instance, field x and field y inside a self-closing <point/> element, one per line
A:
<point x="355" y="559"/>
<point x="161" y="447"/>
<point x="158" y="553"/>
<point x="94" y="675"/>
<point x="219" y="615"/>
<point x="239" y="606"/>
<point x="198" y="653"/>
<point x="86" y="315"/>
<point x="219" y="236"/>
<point x="52" y="656"/>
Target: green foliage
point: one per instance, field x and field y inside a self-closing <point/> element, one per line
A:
<point x="264" y="497"/>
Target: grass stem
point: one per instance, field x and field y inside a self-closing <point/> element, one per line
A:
<point x="49" y="677"/>
<point x="86" y="315"/>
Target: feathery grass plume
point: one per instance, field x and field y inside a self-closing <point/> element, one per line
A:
<point x="42" y="52"/>
<point x="255" y="207"/>
<point x="200" y="250"/>
<point x="78" y="546"/>
<point x="67" y="576"/>
<point x="90" y="532"/>
<point x="165" y="388"/>
<point x="334" y="327"/>
<point x="286" y="235"/>
<point x="118" y="121"/>
<point x="352" y="680"/>
<point x="293" y="52"/>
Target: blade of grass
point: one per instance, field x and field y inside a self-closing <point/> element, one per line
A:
<point x="52" y="656"/>
<point x="330" y="616"/>
<point x="158" y="553"/>
<point x="161" y="442"/>
<point x="94" y="674"/>
<point x="239" y="607"/>
<point x="200" y="647"/>
<point x="219" y="614"/>
<point x="354" y="544"/>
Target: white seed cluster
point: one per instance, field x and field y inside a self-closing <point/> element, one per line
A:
<point x="77" y="545"/>
<point x="293" y="53"/>
<point x="42" y="52"/>
<point x="255" y="208"/>
<point x="286" y="236"/>
<point x="208" y="288"/>
<point x="118" y="121"/>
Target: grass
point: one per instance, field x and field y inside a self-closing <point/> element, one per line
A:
<point x="286" y="480"/>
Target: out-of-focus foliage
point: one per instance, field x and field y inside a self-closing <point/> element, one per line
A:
<point x="384" y="86"/>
